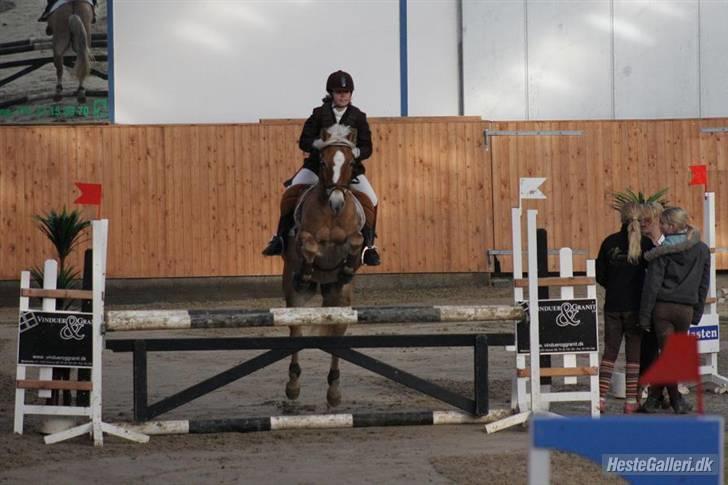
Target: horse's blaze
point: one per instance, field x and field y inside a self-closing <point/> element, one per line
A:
<point x="339" y="160"/>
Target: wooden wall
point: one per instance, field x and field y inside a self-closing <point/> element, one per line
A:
<point x="203" y="200"/>
<point x="583" y="172"/>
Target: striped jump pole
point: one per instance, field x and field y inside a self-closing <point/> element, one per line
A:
<point x="277" y="317"/>
<point x="321" y="421"/>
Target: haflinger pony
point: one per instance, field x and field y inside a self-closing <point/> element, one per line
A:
<point x="326" y="248"/>
<point x="71" y="26"/>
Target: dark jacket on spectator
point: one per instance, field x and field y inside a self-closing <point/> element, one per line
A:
<point x="678" y="271"/>
<point x="621" y="279"/>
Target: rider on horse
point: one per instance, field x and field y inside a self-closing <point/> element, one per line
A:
<point x="336" y="108"/>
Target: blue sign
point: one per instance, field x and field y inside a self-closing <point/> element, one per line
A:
<point x="645" y="450"/>
<point x="705" y="332"/>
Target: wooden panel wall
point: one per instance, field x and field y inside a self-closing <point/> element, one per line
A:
<point x="583" y="172"/>
<point x="203" y="200"/>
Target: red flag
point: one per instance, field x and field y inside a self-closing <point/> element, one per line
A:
<point x="679" y="361"/>
<point x="699" y="175"/>
<point x="90" y="194"/>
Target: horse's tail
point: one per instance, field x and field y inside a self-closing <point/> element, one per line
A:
<point x="80" y="45"/>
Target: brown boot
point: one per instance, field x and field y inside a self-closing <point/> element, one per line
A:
<point x="277" y="244"/>
<point x="289" y="200"/>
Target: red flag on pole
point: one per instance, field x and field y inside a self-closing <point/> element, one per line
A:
<point x="679" y="361"/>
<point x="699" y="175"/>
<point x="90" y="194"/>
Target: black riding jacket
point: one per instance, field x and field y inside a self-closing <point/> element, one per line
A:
<point x="323" y="117"/>
<point x="677" y="273"/>
<point x="621" y="279"/>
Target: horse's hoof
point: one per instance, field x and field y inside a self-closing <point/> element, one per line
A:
<point x="345" y="277"/>
<point x="293" y="391"/>
<point x="81" y="99"/>
<point x="302" y="283"/>
<point x="333" y="396"/>
<point x="298" y="284"/>
<point x="58" y="97"/>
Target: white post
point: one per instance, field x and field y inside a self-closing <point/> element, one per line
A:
<point x="566" y="269"/>
<point x="534" y="339"/>
<point x="20" y="369"/>
<point x="519" y="392"/>
<point x="709" y="238"/>
<point x="539" y="465"/>
<point x="591" y="292"/>
<point x="711" y="347"/>
<point x="517" y="251"/>
<point x="50" y="279"/>
<point x="100" y="233"/>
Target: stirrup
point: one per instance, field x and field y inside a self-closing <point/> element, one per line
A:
<point x="370" y="256"/>
<point x="275" y="246"/>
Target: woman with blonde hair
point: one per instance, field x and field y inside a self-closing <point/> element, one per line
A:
<point x="675" y="287"/>
<point x="650" y="221"/>
<point x="649" y="348"/>
<point x="620" y="269"/>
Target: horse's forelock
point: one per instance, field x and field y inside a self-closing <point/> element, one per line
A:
<point x="338" y="135"/>
<point x="339" y="131"/>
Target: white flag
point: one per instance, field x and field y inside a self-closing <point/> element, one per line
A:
<point x="530" y="188"/>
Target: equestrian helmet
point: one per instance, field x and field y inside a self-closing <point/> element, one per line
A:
<point x="339" y="80"/>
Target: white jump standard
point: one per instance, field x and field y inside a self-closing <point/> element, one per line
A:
<point x="35" y="328"/>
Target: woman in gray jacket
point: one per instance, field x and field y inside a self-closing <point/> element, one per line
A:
<point x="673" y="296"/>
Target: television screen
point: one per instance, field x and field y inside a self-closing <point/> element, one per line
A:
<point x="39" y="40"/>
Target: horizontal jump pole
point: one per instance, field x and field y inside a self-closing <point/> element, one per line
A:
<point x="48" y="97"/>
<point x="281" y="317"/>
<point x="322" y="421"/>
<point x="28" y="45"/>
<point x="557" y="281"/>
<point x="300" y="343"/>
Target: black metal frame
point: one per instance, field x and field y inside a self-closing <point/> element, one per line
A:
<point x="281" y="347"/>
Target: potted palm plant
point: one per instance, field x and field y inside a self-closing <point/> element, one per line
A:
<point x="627" y="195"/>
<point x="65" y="230"/>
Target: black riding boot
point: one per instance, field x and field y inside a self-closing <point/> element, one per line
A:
<point x="370" y="256"/>
<point x="277" y="244"/>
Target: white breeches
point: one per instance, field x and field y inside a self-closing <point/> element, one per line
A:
<point x="306" y="176"/>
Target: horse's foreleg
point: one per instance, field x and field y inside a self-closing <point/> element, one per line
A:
<point x="353" y="259"/>
<point x="81" y="94"/>
<point x="58" y="62"/>
<point x="333" y="394"/>
<point x="293" y="387"/>
<point x="309" y="250"/>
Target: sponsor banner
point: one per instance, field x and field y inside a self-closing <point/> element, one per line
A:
<point x="58" y="339"/>
<point x="565" y="326"/>
<point x="708" y="337"/>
